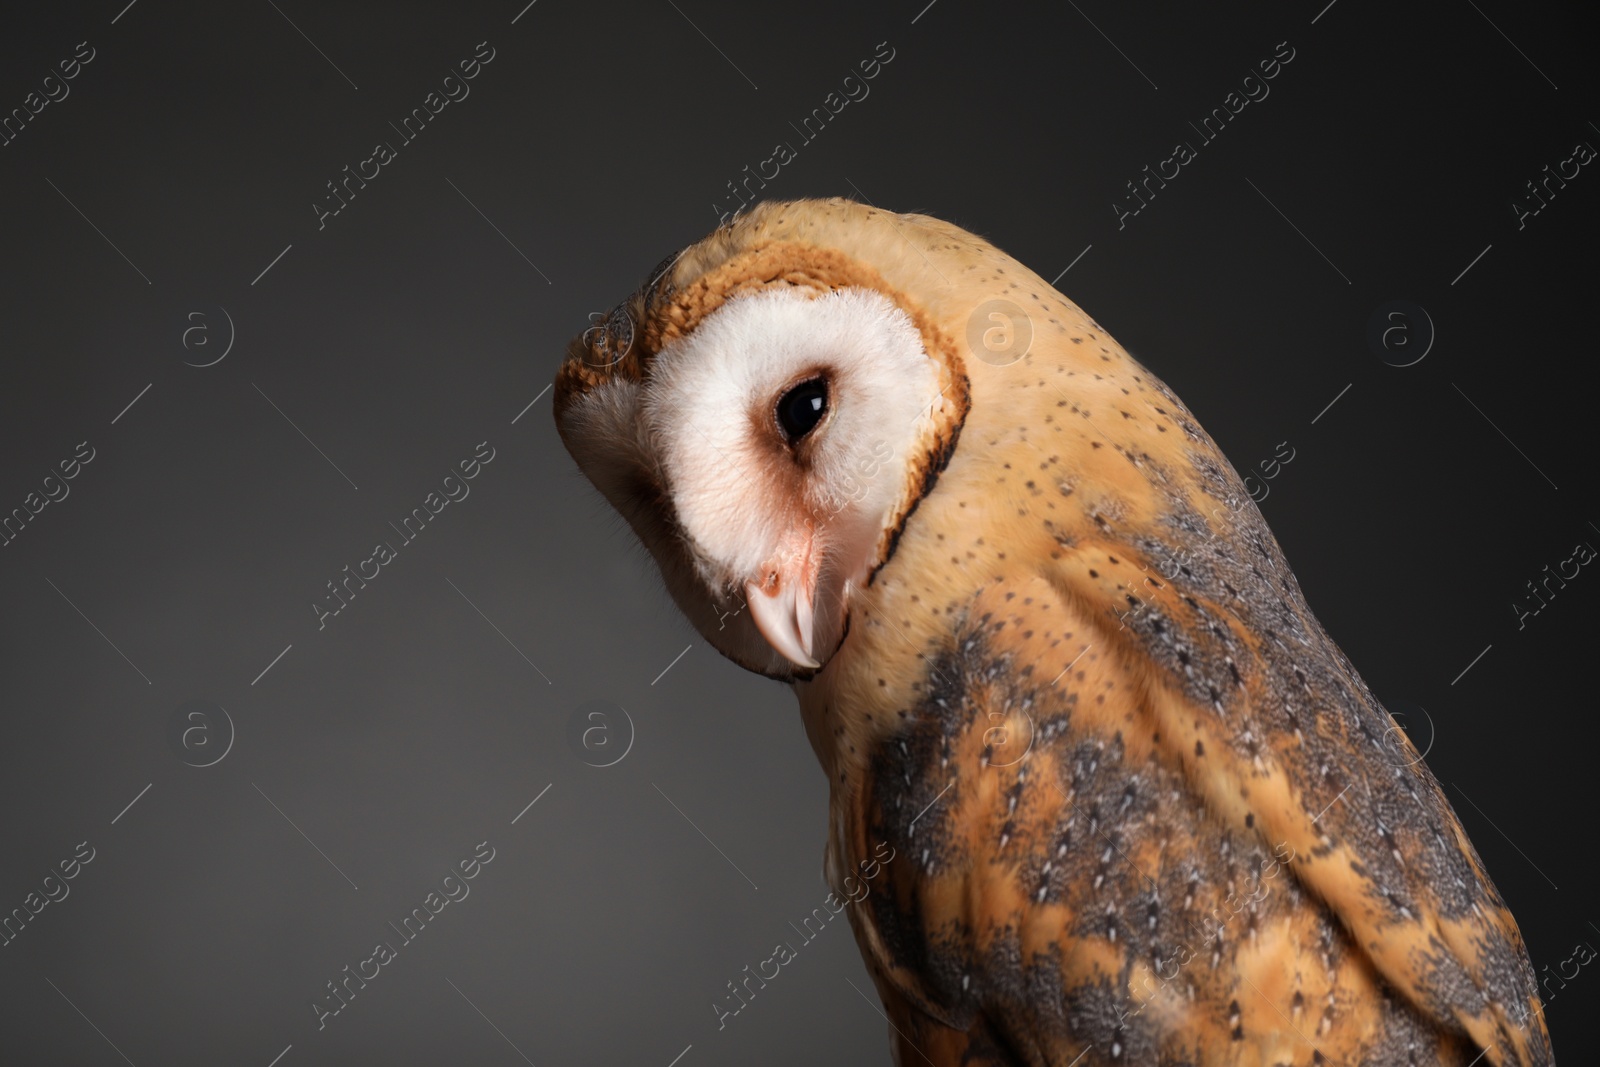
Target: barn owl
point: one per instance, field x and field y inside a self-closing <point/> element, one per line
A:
<point x="1142" y="810"/>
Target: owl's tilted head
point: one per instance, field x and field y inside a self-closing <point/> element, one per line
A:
<point x="765" y="413"/>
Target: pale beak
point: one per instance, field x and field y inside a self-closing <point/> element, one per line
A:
<point x="782" y="610"/>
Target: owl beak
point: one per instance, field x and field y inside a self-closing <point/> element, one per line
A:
<point x="782" y="609"/>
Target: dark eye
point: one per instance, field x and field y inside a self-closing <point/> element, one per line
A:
<point x="801" y="408"/>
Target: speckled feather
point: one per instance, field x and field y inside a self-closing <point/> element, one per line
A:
<point x="1145" y="810"/>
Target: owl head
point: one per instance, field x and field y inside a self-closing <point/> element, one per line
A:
<point x="766" y="412"/>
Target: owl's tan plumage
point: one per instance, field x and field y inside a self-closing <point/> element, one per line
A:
<point x="1144" y="810"/>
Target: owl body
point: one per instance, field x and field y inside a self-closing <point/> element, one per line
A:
<point x="1142" y="808"/>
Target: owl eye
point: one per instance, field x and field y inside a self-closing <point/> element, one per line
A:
<point x="801" y="408"/>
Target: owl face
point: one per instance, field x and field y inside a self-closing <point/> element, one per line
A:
<point x="759" y="457"/>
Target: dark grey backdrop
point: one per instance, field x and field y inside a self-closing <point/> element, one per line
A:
<point x="170" y="189"/>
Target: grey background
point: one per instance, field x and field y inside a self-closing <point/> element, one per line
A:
<point x="420" y="721"/>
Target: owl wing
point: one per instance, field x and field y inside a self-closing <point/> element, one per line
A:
<point x="1300" y="748"/>
<point x="1141" y="805"/>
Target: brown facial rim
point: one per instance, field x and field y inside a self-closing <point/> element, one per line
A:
<point x="662" y="311"/>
